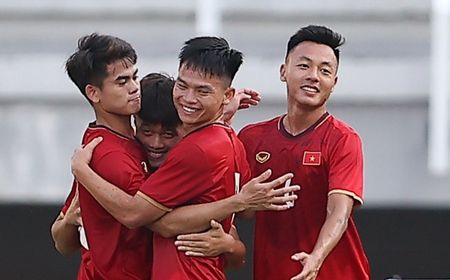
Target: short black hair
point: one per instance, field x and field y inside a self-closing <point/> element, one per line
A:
<point x="211" y="55"/>
<point x="95" y="52"/>
<point x="156" y="102"/>
<point x="318" y="34"/>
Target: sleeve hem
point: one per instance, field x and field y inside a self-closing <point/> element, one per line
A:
<point x="153" y="202"/>
<point x="349" y="193"/>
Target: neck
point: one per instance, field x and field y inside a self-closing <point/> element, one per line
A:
<point x="299" y="119"/>
<point x="188" y="128"/>
<point x="120" y="124"/>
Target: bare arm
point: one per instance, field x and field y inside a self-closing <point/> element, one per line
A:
<point x="214" y="242"/>
<point x="65" y="229"/>
<point x="255" y="195"/>
<point x="339" y="208"/>
<point x="235" y="257"/>
<point x="131" y="211"/>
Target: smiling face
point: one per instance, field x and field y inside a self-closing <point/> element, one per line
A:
<point x="199" y="98"/>
<point x="157" y="140"/>
<point x="310" y="74"/>
<point x="120" y="90"/>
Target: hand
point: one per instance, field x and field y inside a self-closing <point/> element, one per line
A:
<point x="247" y="97"/>
<point x="243" y="99"/>
<point x="73" y="213"/>
<point x="311" y="266"/>
<point x="257" y="195"/>
<point x="83" y="155"/>
<point x="212" y="243"/>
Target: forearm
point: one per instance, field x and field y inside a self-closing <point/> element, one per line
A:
<point x="330" y="234"/>
<point x="235" y="258"/>
<point x="117" y="202"/>
<point x="339" y="208"/>
<point x="196" y="218"/>
<point x="65" y="236"/>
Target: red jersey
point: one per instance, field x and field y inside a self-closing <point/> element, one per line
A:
<point x="112" y="250"/>
<point x="325" y="159"/>
<point x="200" y="168"/>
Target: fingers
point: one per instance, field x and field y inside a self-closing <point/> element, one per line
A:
<point x="195" y="254"/>
<point x="285" y="190"/>
<point x="216" y="225"/>
<point x="262" y="177"/>
<point x="91" y="145"/>
<point x="280" y="180"/>
<point x="191" y="237"/>
<point x="283" y="199"/>
<point x="196" y="246"/>
<point x="277" y="207"/>
<point x="79" y="221"/>
<point x="248" y="97"/>
<point x="251" y="93"/>
<point x="300" y="257"/>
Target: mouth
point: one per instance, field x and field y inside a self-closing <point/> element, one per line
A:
<point x="310" y="89"/>
<point x="155" y="154"/>
<point x="135" y="98"/>
<point x="189" y="110"/>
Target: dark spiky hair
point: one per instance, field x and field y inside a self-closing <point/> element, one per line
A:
<point x="212" y="56"/>
<point x="156" y="102"/>
<point x="88" y="65"/>
<point x="318" y="34"/>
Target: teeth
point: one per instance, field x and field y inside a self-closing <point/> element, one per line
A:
<point x="309" y="89"/>
<point x="187" y="109"/>
<point x="155" y="155"/>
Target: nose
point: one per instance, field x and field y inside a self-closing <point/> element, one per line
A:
<point x="134" y="86"/>
<point x="189" y="96"/>
<point x="313" y="74"/>
<point x="155" y="142"/>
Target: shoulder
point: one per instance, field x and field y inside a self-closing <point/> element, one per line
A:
<point x="340" y="129"/>
<point x="259" y="127"/>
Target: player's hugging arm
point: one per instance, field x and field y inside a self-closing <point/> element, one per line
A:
<point x="214" y="242"/>
<point x="65" y="228"/>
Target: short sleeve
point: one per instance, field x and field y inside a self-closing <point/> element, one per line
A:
<point x="120" y="170"/>
<point x="69" y="198"/>
<point x="346" y="167"/>
<point x="184" y="176"/>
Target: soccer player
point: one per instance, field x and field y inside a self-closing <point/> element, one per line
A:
<point x="104" y="70"/>
<point x="317" y="238"/>
<point x="207" y="165"/>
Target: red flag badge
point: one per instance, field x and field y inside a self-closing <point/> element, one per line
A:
<point x="311" y="158"/>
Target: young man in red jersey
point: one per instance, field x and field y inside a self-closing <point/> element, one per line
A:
<point x="158" y="128"/>
<point x="317" y="238"/>
<point x="204" y="167"/>
<point x="104" y="70"/>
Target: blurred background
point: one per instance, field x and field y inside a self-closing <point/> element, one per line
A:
<point x="392" y="89"/>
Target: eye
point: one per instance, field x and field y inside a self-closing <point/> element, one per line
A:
<point x="135" y="77"/>
<point x="204" y="91"/>
<point x="168" y="135"/>
<point x="121" y="82"/>
<point x="181" y="86"/>
<point x="325" y="71"/>
<point x="302" y="66"/>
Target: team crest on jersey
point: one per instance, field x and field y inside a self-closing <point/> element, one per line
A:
<point x="311" y="158"/>
<point x="144" y="166"/>
<point x="262" y="157"/>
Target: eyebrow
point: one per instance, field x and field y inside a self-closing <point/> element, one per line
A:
<point x="327" y="63"/>
<point x="125" y="77"/>
<point x="208" y="87"/>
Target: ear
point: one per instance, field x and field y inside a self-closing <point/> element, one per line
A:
<point x="228" y="96"/>
<point x="335" y="82"/>
<point x="283" y="72"/>
<point x="93" y="93"/>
